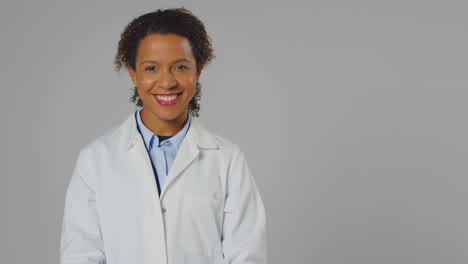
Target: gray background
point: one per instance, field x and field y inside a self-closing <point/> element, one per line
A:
<point x="352" y="115"/>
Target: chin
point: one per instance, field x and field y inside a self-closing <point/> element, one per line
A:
<point x="162" y="113"/>
<point x="169" y="116"/>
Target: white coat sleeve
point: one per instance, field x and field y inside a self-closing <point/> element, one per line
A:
<point x="244" y="224"/>
<point x="81" y="240"/>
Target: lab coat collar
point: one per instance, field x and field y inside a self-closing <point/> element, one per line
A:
<point x="197" y="134"/>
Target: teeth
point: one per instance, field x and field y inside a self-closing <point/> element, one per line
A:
<point x="166" y="98"/>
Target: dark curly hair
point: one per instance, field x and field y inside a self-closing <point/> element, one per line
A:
<point x="179" y="21"/>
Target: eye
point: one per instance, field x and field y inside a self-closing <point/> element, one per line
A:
<point x="150" y="68"/>
<point x="181" y="67"/>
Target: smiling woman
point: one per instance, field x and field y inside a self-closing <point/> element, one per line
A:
<point x="165" y="76"/>
<point x="180" y="22"/>
<point x="160" y="187"/>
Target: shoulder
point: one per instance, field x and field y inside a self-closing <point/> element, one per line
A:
<point x="111" y="140"/>
<point x="104" y="142"/>
<point x="206" y="137"/>
<point x="226" y="144"/>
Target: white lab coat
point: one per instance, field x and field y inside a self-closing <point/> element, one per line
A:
<point x="209" y="211"/>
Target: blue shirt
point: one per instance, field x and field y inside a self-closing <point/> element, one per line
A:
<point x="163" y="153"/>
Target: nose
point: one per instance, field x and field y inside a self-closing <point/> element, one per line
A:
<point x="166" y="80"/>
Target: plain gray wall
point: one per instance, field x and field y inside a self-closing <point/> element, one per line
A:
<point x="352" y="114"/>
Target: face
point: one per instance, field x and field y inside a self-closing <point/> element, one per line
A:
<point x="166" y="76"/>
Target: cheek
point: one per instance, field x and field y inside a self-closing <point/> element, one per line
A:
<point x="146" y="83"/>
<point x="192" y="88"/>
<point x="189" y="85"/>
<point x="144" y="86"/>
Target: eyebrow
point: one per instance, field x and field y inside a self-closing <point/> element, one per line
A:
<point x="176" y="61"/>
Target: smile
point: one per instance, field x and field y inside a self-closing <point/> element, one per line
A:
<point x="166" y="100"/>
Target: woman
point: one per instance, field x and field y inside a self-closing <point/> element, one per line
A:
<point x="161" y="188"/>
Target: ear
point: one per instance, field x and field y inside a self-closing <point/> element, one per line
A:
<point x="198" y="74"/>
<point x="132" y="73"/>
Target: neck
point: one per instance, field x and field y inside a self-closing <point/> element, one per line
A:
<point x="163" y="127"/>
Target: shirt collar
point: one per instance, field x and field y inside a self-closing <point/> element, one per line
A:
<point x="150" y="138"/>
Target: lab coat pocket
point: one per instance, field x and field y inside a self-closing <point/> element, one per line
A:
<point x="200" y="224"/>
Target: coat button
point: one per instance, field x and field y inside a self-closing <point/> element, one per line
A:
<point x="163" y="210"/>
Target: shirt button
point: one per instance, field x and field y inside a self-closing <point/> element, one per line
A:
<point x="163" y="210"/>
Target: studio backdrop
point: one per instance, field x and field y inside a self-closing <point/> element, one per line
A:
<point x="352" y="115"/>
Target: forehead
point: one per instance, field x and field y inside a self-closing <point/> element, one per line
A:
<point x="162" y="47"/>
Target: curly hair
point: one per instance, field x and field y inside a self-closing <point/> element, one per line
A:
<point x="179" y="21"/>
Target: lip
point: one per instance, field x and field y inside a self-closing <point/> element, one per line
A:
<point x="168" y="103"/>
<point x="167" y="94"/>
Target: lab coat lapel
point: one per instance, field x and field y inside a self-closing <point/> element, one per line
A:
<point x="197" y="137"/>
<point x="154" y="231"/>
<point x="133" y="145"/>
<point x="136" y="156"/>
